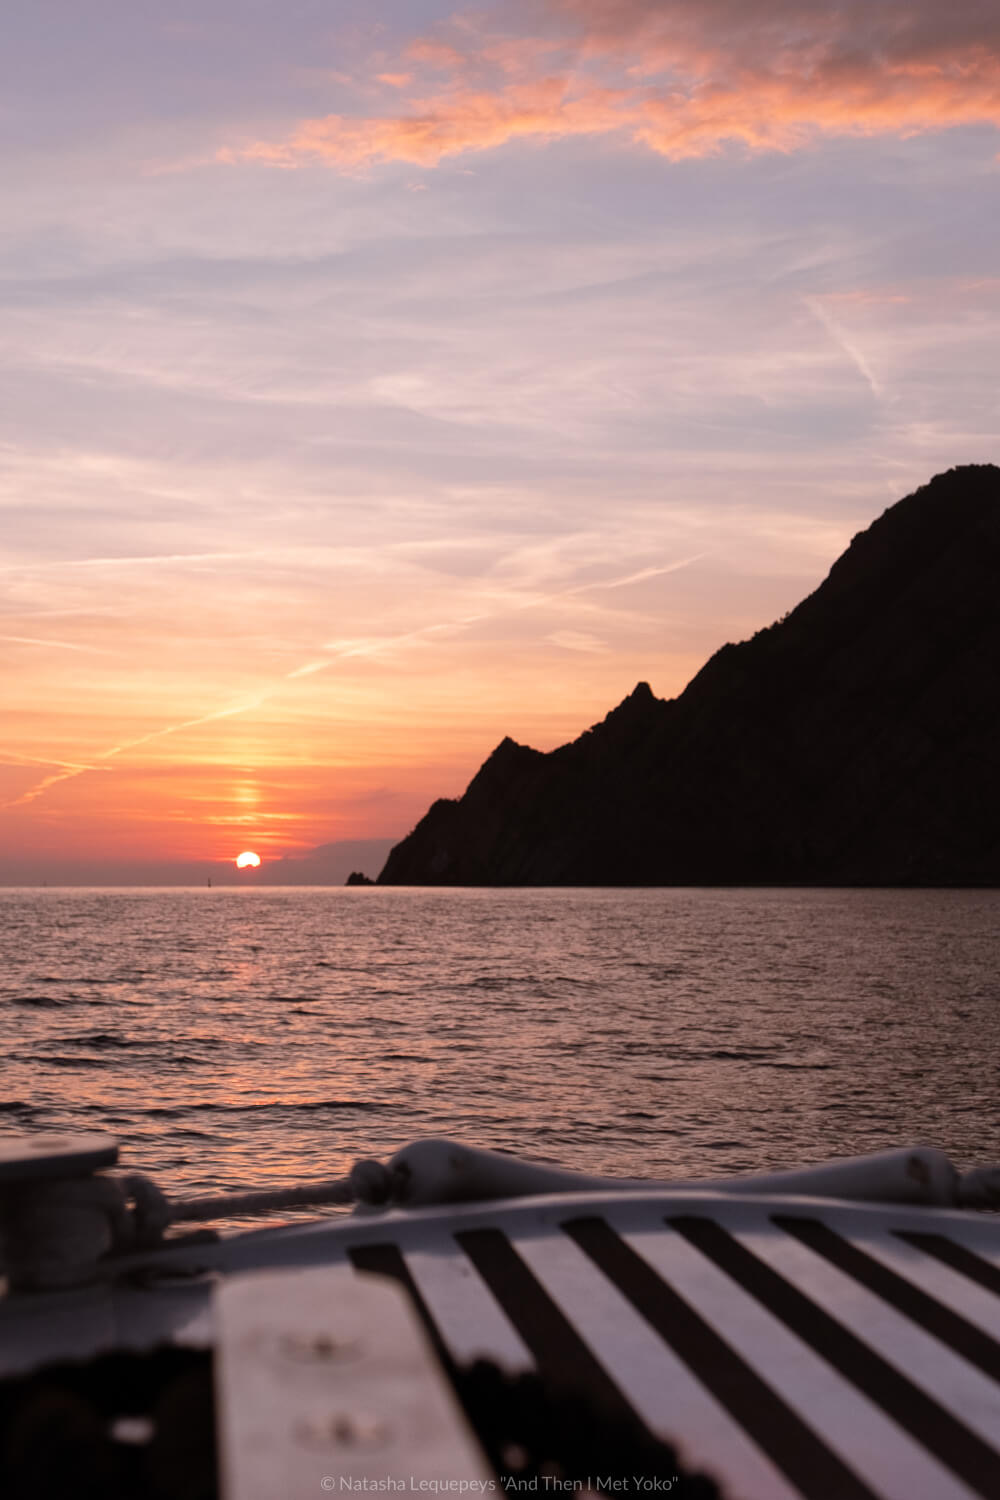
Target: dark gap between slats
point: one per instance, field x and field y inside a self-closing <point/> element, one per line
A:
<point x="788" y="1441"/>
<point x="948" y="1326"/>
<point x="949" y="1440"/>
<point x="559" y="1351"/>
<point x="568" y="1421"/>
<point x="959" y="1257"/>
<point x="387" y="1260"/>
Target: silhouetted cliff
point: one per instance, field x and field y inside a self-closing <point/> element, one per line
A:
<point x="857" y="741"/>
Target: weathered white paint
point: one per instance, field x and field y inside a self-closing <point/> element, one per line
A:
<point x="324" y="1376"/>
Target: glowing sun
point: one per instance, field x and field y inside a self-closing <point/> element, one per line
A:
<point x="248" y="860"/>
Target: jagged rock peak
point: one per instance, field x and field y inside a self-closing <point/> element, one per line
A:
<point x="507" y="761"/>
<point x="634" y="708"/>
<point x="640" y="698"/>
<point x="509" y="750"/>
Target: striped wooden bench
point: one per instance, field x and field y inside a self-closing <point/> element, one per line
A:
<point x="789" y="1348"/>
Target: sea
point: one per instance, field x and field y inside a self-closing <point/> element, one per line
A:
<point x="235" y="1038"/>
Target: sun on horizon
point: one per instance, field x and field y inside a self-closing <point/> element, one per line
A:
<point x="248" y="860"/>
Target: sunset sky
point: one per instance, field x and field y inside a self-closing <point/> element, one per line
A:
<point x="381" y="379"/>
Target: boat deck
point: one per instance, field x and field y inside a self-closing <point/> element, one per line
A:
<point x="789" y="1349"/>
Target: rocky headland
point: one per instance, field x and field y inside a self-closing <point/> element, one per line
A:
<point x="855" y="742"/>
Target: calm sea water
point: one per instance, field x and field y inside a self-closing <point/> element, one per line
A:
<point x="234" y="1037"/>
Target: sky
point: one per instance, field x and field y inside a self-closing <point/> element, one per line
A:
<point x="378" y="380"/>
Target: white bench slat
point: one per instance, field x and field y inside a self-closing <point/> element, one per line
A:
<point x="867" y="1440"/>
<point x="657" y="1384"/>
<point x="949" y="1287"/>
<point x="327" y="1374"/>
<point x="929" y="1364"/>
<point x="468" y="1317"/>
<point x="981" y="1239"/>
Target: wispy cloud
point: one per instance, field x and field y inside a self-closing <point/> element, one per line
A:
<point x="8" y="758"/>
<point x="539" y="589"/>
<point x="504" y="601"/>
<point x="149" y="560"/>
<point x="446" y="124"/>
<point x="578" y="640"/>
<point x="41" y="787"/>
<point x="99" y="762"/>
<point x="640" y="576"/>
<point x="31" y="640"/>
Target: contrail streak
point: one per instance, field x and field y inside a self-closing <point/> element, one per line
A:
<point x="43" y="786"/>
<point x="339" y="651"/>
<point x="142" y="560"/>
<point x="11" y="758"/>
<point x="843" y="342"/>
<point x="640" y="577"/>
<point x="71" y="772"/>
<point x="33" y="640"/>
<point x="514" y="602"/>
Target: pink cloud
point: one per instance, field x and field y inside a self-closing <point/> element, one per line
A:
<point x="462" y="120"/>
<point x="436" y="54"/>
<point x="683" y="80"/>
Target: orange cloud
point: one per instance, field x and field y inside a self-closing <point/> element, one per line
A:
<point x="779" y="112"/>
<point x="436" y="54"/>
<point x="466" y="120"/>
<point x="684" y="80"/>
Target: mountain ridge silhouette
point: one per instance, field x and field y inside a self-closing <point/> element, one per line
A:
<point x="854" y="742"/>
